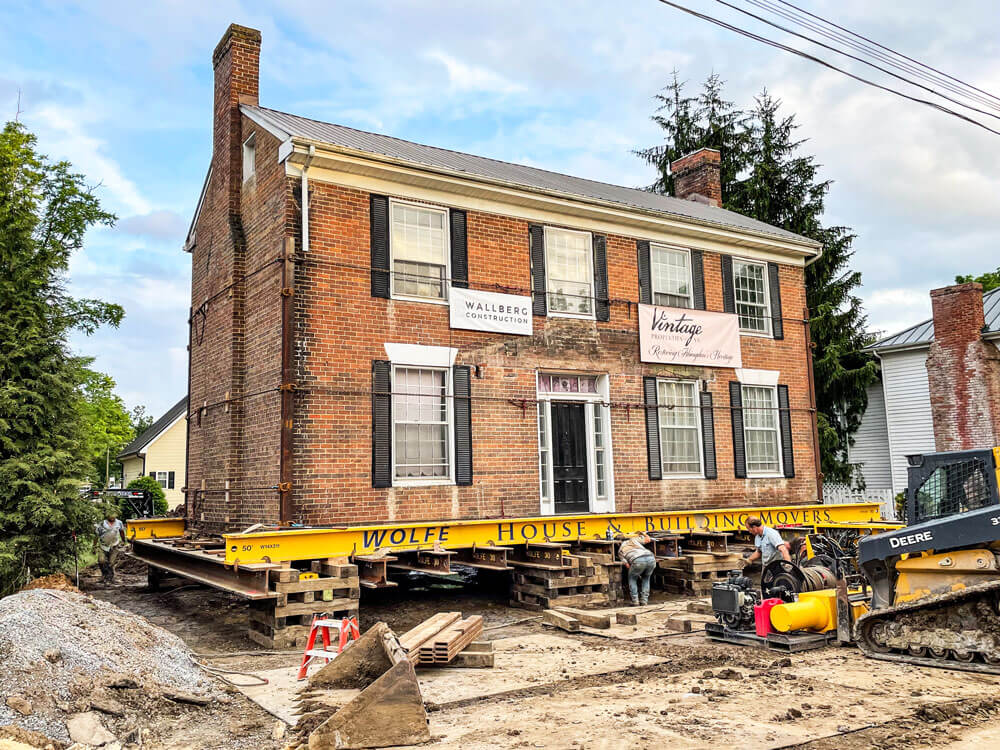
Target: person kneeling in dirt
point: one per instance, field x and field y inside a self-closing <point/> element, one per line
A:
<point x="640" y="563"/>
<point x="110" y="532"/>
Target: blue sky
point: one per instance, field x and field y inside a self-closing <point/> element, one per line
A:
<point x="124" y="91"/>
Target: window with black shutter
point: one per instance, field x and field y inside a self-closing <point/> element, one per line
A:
<point x="170" y="480"/>
<point x="774" y="286"/>
<point x="728" y="290"/>
<point x="536" y="237"/>
<point x="645" y="279"/>
<point x="698" y="280"/>
<point x="380" y="245"/>
<point x="602" y="306"/>
<point x="708" y="435"/>
<point x="785" y="423"/>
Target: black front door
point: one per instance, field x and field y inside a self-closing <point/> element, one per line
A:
<point x="569" y="465"/>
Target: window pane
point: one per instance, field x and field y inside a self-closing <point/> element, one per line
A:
<point x="420" y="415"/>
<point x="543" y="450"/>
<point x="419" y="251"/>
<point x="760" y="426"/>
<point x="569" y="279"/>
<point x="671" y="276"/>
<point x="680" y="433"/>
<point x="750" y="287"/>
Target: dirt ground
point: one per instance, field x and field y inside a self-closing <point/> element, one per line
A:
<point x="641" y="688"/>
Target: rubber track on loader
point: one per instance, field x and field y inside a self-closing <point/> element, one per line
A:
<point x="946" y="662"/>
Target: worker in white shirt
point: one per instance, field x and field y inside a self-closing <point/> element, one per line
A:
<point x="640" y="563"/>
<point x="110" y="533"/>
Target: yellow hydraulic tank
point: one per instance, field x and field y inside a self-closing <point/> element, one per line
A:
<point x="815" y="611"/>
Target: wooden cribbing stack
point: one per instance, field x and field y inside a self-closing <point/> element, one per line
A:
<point x="330" y="589"/>
<point x="447" y="639"/>
<point x="694" y="572"/>
<point x="547" y="575"/>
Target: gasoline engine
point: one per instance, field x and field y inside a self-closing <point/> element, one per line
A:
<point x="733" y="601"/>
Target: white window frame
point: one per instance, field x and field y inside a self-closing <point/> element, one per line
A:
<point x="591" y="403"/>
<point x="592" y="315"/>
<point x="767" y="298"/>
<point x="250" y="157"/>
<point x="447" y="255"/>
<point x="165" y="481"/>
<point x="700" y="474"/>
<point x="773" y="389"/>
<point x="398" y="481"/>
<point x="653" y="247"/>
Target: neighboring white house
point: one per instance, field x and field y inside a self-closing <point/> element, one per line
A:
<point x="903" y="412"/>
<point x="160" y="452"/>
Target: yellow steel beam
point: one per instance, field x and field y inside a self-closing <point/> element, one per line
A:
<point x="154" y="528"/>
<point x="316" y="543"/>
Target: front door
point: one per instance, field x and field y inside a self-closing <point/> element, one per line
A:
<point x="569" y="453"/>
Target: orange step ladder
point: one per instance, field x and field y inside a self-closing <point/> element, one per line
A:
<point x="348" y="632"/>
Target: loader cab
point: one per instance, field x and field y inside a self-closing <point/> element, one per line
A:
<point x="948" y="483"/>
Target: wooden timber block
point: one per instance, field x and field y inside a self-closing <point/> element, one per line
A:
<point x="335" y="570"/>
<point x="560" y="620"/>
<point x="626" y="618"/>
<point x="596" y="558"/>
<point x="316" y="584"/>
<point x="590" y="619"/>
<point x="700" y="608"/>
<point x="679" y="625"/>
<point x="284" y="575"/>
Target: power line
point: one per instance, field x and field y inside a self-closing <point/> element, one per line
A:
<point x="854" y="57"/>
<point x="888" y="49"/>
<point x="825" y="64"/>
<point x="872" y="52"/>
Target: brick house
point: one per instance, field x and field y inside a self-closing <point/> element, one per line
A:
<point x="386" y="331"/>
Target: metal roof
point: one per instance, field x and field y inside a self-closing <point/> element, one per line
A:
<point x="153" y="431"/>
<point x="284" y="126"/>
<point x="922" y="333"/>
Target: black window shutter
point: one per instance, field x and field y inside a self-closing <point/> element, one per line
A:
<point x="774" y="284"/>
<point x="462" y="379"/>
<point x="708" y="435"/>
<point x="380" y="245"/>
<point x="170" y="480"/>
<point x="459" y="249"/>
<point x="739" y="439"/>
<point x="698" y="282"/>
<point x="652" y="429"/>
<point x="536" y="234"/>
<point x="728" y="291"/>
<point x="645" y="274"/>
<point x="785" y="427"/>
<point x="602" y="306"/>
<point x="381" y="424"/>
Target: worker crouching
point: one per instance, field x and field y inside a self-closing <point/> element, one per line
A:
<point x="640" y="563"/>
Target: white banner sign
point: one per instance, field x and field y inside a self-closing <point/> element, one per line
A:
<point x="489" y="311"/>
<point x="673" y="335"/>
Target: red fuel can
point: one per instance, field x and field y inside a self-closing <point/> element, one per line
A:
<point x="762" y="616"/>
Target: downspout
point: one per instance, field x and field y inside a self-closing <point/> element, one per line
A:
<point x="287" y="388"/>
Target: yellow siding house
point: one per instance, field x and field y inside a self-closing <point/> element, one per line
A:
<point x="160" y="452"/>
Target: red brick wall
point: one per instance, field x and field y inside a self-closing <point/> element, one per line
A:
<point x="341" y="329"/>
<point x="963" y="372"/>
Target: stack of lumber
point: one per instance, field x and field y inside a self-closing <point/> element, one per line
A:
<point x="695" y="572"/>
<point x="606" y="566"/>
<point x="284" y="620"/>
<point x="577" y="582"/>
<point x="446" y="638"/>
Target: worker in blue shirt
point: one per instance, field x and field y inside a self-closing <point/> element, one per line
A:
<point x="770" y="546"/>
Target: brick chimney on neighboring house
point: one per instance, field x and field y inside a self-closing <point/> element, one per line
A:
<point x="697" y="177"/>
<point x="963" y="372"/>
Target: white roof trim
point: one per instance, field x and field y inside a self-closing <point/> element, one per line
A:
<point x="142" y="449"/>
<point x="192" y="238"/>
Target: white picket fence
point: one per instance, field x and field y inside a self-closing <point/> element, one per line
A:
<point x="837" y="494"/>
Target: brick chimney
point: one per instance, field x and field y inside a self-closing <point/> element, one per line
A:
<point x="697" y="177"/>
<point x="236" y="61"/>
<point x="963" y="372"/>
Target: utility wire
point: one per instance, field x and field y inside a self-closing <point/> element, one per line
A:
<point x="825" y="64"/>
<point x="890" y="50"/>
<point x="871" y="52"/>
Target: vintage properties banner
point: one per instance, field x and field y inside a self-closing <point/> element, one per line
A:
<point x="672" y="335"/>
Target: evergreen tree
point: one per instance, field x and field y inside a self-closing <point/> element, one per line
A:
<point x="766" y="176"/>
<point x="45" y="209"/>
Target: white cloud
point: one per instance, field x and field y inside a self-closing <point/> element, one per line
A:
<point x="890" y="310"/>
<point x="157" y="225"/>
<point x="473" y="78"/>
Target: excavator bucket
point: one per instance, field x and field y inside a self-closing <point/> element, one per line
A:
<point x="388" y="711"/>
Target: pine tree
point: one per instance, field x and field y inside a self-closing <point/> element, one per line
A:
<point x="766" y="176"/>
<point x="45" y="209"/>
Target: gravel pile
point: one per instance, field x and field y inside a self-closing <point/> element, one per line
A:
<point x="64" y="652"/>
